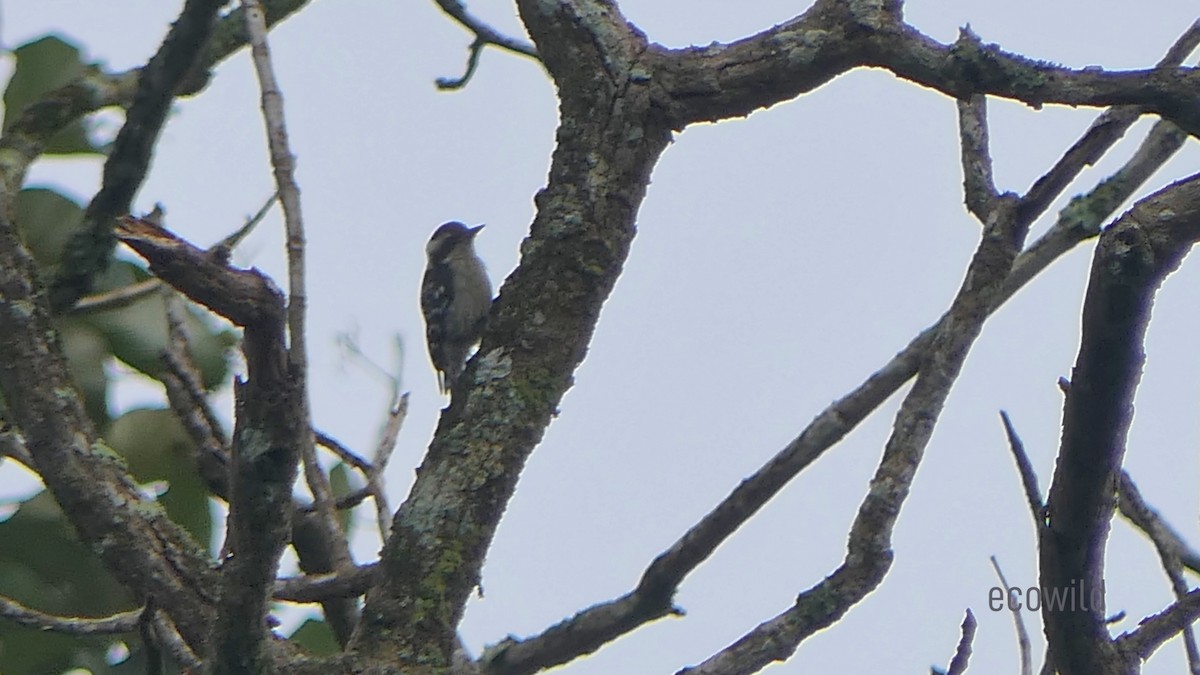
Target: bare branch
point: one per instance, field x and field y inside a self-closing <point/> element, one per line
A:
<point x="605" y="621"/>
<point x="1131" y="261"/>
<point x="345" y="454"/>
<point x="978" y="184"/>
<point x="1170" y="549"/>
<point x="329" y="533"/>
<point x="1134" y="508"/>
<point x="225" y="246"/>
<point x="383" y="453"/>
<point x="89" y="251"/>
<point x="319" y="587"/>
<point x="868" y="552"/>
<point x="1105" y="131"/>
<point x="117" y="297"/>
<point x="170" y="638"/>
<point x="142" y="549"/>
<point x="962" y="654"/>
<point x="1154" y="631"/>
<point x="267" y="435"/>
<point x="185" y="395"/>
<point x="1023" y="646"/>
<point x="485" y="35"/>
<point x="124" y="622"/>
<point x="1029" y="481"/>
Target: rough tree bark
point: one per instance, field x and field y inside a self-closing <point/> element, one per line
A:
<point x="622" y="100"/>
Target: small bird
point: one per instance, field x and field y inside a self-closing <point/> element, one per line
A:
<point x="455" y="298"/>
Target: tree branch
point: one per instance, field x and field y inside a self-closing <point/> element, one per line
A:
<point x="537" y="335"/>
<point x="123" y="622"/>
<point x="1131" y="261"/>
<point x="868" y="552"/>
<point x="323" y="524"/>
<point x="1152" y="632"/>
<point x="594" y="626"/>
<point x="732" y="80"/>
<point x="89" y="251"/>
<point x="1164" y="537"/>
<point x="1170" y="547"/>
<point x="485" y="35"/>
<point x="319" y="587"/>
<point x="267" y="435"/>
<point x="962" y="654"/>
<point x="137" y="542"/>
<point x="1029" y="481"/>
<point x="1023" y="646"/>
<point x="979" y="187"/>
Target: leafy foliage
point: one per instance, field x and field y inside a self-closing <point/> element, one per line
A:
<point x="41" y="67"/>
<point x="43" y="563"/>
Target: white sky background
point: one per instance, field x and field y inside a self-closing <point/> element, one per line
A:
<point x="780" y="260"/>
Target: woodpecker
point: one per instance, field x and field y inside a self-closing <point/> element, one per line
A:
<point x="455" y="298"/>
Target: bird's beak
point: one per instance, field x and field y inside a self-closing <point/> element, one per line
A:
<point x="475" y="230"/>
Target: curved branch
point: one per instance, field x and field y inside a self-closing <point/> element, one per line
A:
<point x="537" y="335"/>
<point x="89" y="250"/>
<point x="485" y="35"/>
<point x="124" y="622"/>
<point x="25" y="138"/>
<point x="719" y="81"/>
<point x="1131" y="261"/>
<point x="590" y="628"/>
<point x="137" y="542"/>
<point x="1170" y="547"/>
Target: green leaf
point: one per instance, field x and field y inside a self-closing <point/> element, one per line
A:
<point x="46" y="221"/>
<point x="316" y="637"/>
<point x="43" y="66"/>
<point x="157" y="448"/>
<point x="341" y="484"/>
<point x="44" y="566"/>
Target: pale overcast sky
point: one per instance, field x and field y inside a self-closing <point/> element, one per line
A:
<point x="780" y="260"/>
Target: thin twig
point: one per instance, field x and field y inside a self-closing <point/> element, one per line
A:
<point x="383" y="453"/>
<point x="962" y="655"/>
<point x="123" y="622"/>
<point x="117" y="297"/>
<point x="484" y="35"/>
<point x="345" y="454"/>
<point x="337" y="552"/>
<point x="1023" y="645"/>
<point x="186" y="397"/>
<point x="1169" y="546"/>
<point x="1135" y="509"/>
<point x="226" y="245"/>
<point x="348" y="342"/>
<point x="1029" y="481"/>
<point x="387" y="438"/>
